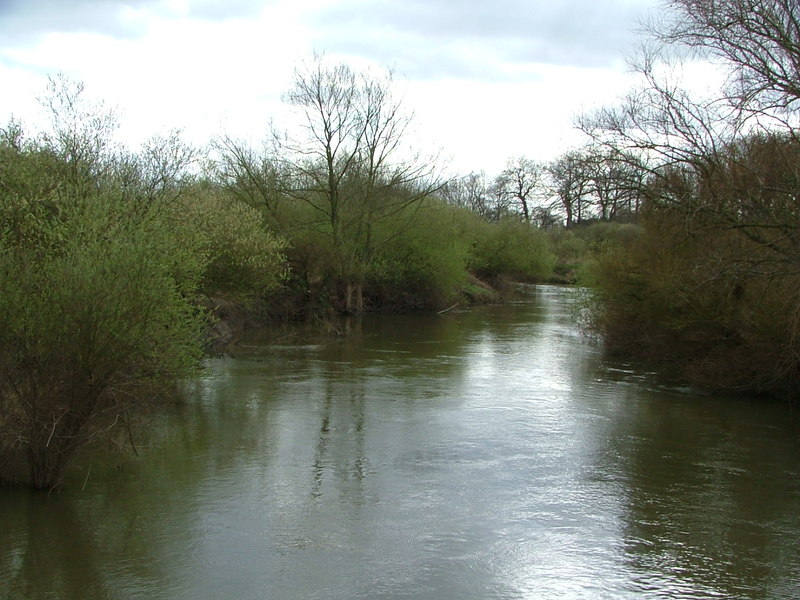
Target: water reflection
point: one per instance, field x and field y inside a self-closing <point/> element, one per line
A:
<point x="490" y="453"/>
<point x="69" y="558"/>
<point x="710" y="499"/>
<point x="340" y="459"/>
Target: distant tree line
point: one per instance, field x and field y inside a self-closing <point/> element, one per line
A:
<point x="582" y="185"/>
<point x="705" y="278"/>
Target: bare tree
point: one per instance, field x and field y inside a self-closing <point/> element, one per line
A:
<point x="758" y="40"/>
<point x="570" y="185"/>
<point x="351" y="164"/>
<point x="347" y="164"/>
<point x="470" y="192"/>
<point x="692" y="146"/>
<point x="252" y="176"/>
<point x="519" y="183"/>
<point x="615" y="182"/>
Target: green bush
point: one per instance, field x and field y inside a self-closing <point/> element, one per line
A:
<point x="241" y="254"/>
<point x="423" y="266"/>
<point x="511" y="249"/>
<point x="576" y="249"/>
<point x="90" y="323"/>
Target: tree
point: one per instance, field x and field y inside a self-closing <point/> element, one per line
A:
<point x="347" y="165"/>
<point x="80" y="133"/>
<point x="712" y="283"/>
<point x="470" y="192"/>
<point x="253" y="177"/>
<point x="570" y="184"/>
<point x="519" y="183"/>
<point x="158" y="174"/>
<point x="691" y="147"/>
<point x="615" y="182"/>
<point x="757" y="40"/>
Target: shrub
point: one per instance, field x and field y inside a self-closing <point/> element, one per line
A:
<point x="684" y="296"/>
<point x="241" y="254"/>
<point x="90" y="322"/>
<point x="423" y="266"/>
<point x="512" y="249"/>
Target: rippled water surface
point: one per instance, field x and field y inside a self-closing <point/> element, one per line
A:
<point x="489" y="453"/>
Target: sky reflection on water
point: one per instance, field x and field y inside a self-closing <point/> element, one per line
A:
<point x="489" y="453"/>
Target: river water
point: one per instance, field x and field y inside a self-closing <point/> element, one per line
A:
<point x="480" y="454"/>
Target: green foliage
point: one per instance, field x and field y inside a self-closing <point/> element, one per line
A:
<point x="423" y="267"/>
<point x="577" y="248"/>
<point x="241" y="255"/>
<point x="511" y="249"/>
<point x="89" y="323"/>
<point x="95" y="286"/>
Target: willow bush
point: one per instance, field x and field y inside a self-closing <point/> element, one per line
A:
<point x="94" y="320"/>
<point x="240" y="252"/>
<point x="422" y="266"/>
<point x="510" y="249"/>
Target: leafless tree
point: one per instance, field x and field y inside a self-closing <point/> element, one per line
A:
<point x="689" y="142"/>
<point x="519" y="183"/>
<point x="757" y="40"/>
<point x="470" y="192"/>
<point x="569" y="182"/>
<point x="252" y="176"/>
<point x="348" y="162"/>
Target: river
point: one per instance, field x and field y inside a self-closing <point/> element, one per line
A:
<point x="487" y="453"/>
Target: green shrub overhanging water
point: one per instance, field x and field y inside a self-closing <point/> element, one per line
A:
<point x="102" y="255"/>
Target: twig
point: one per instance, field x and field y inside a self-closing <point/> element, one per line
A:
<point x="89" y="472"/>
<point x="441" y="312"/>
<point x="52" y="431"/>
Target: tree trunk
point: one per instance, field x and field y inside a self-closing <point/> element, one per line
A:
<point x="354" y="298"/>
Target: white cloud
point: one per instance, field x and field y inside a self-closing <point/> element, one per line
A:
<point x="486" y="80"/>
<point x="482" y="126"/>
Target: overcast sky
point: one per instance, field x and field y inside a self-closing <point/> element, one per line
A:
<point x="486" y="79"/>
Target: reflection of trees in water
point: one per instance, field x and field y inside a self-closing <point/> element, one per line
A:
<point x="50" y="554"/>
<point x="136" y="515"/>
<point x="341" y="453"/>
<point x="706" y="509"/>
<point x="271" y="445"/>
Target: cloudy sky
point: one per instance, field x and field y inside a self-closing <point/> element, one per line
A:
<point x="486" y="79"/>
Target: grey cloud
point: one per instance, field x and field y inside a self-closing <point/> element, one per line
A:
<point x="25" y="20"/>
<point x="217" y="10"/>
<point x="430" y="35"/>
<point x="22" y="20"/>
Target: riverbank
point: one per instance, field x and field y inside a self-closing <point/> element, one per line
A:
<point x="232" y="315"/>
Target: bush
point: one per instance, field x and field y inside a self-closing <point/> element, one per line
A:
<point x="682" y="296"/>
<point x="422" y="267"/>
<point x="90" y="322"/>
<point x="241" y="255"/>
<point x="576" y="249"/>
<point x="511" y="249"/>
